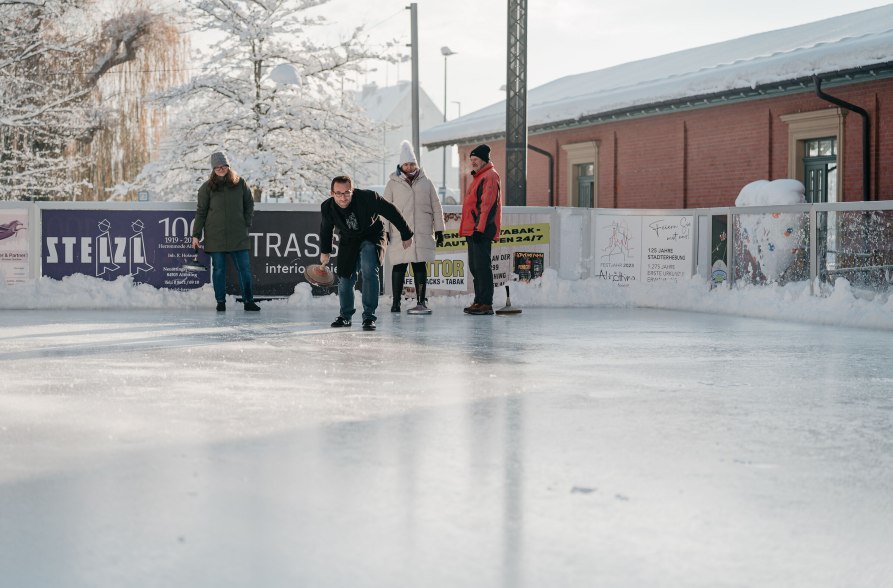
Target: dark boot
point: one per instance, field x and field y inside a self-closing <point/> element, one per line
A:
<point x="397" y="275"/>
<point x="421" y="290"/>
<point x="421" y="307"/>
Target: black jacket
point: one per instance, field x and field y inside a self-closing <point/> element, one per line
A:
<point x="357" y="223"/>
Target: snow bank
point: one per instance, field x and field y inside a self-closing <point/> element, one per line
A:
<point x="765" y="193"/>
<point x="842" y="305"/>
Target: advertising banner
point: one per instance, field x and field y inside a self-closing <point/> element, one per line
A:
<point x="283" y="243"/>
<point x="644" y="249"/>
<point x="668" y="245"/>
<point x="521" y="253"/>
<point x="152" y="246"/>
<point x="14" y="252"/>
<point x="619" y="250"/>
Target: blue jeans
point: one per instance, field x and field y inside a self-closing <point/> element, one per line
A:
<point x="367" y="264"/>
<point x="243" y="270"/>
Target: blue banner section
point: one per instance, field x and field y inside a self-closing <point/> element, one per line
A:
<point x="152" y="246"/>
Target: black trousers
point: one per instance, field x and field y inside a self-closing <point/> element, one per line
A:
<point x="419" y="275"/>
<point x="479" y="264"/>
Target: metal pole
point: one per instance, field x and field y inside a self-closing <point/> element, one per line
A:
<point x="516" y="106"/>
<point x="813" y="250"/>
<point x="414" y="18"/>
<point x="446" y="52"/>
<point x="384" y="156"/>
<point x="731" y="244"/>
<point x="443" y="149"/>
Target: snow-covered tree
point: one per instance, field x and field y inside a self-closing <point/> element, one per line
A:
<point x="132" y="125"/>
<point x="270" y="93"/>
<point x="56" y="57"/>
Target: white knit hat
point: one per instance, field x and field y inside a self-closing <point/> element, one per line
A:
<point x="407" y="155"/>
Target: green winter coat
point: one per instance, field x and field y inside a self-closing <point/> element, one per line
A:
<point x="225" y="215"/>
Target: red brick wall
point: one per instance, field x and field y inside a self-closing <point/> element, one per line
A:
<point x="703" y="157"/>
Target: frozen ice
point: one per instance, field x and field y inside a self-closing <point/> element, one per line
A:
<point x="589" y="441"/>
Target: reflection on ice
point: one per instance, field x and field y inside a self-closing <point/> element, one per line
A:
<point x="563" y="447"/>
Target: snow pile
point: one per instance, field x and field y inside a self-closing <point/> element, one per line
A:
<point x="841" y="306"/>
<point x="766" y="193"/>
<point x="770" y="242"/>
<point x="86" y="292"/>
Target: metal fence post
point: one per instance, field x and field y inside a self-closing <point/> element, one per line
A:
<point x="813" y="250"/>
<point x="730" y="249"/>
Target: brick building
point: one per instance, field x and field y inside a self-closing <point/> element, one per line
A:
<point x="690" y="129"/>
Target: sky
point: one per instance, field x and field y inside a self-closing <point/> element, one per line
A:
<point x="564" y="36"/>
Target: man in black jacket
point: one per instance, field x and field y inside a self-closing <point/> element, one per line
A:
<point x="355" y="213"/>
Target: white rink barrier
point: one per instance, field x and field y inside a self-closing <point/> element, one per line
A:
<point x="626" y="247"/>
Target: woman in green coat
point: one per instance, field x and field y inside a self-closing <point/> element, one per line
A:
<point x="224" y="212"/>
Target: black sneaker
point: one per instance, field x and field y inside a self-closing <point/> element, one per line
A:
<point x="221" y="306"/>
<point x="341" y="322"/>
<point x="368" y="325"/>
<point x="251" y="306"/>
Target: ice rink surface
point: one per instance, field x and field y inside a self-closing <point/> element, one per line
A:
<point x="559" y="448"/>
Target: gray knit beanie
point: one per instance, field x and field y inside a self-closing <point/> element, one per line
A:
<point x="218" y="158"/>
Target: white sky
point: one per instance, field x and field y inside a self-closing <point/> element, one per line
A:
<point x="564" y="36"/>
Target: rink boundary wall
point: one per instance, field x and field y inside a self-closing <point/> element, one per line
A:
<point x="577" y="235"/>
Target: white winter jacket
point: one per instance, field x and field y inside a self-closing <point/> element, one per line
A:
<point x="421" y="208"/>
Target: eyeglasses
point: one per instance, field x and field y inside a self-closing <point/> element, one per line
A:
<point x="221" y="167"/>
<point x="343" y="194"/>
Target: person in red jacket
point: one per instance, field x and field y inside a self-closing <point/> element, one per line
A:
<point x="481" y="220"/>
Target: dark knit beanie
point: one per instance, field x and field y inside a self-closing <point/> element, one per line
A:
<point x="482" y="152"/>
<point x="219" y="158"/>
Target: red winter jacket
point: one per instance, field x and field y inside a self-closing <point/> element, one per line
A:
<point x="481" y="208"/>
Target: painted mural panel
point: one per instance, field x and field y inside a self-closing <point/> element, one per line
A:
<point x="15" y="256"/>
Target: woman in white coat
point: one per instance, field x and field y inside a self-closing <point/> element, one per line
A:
<point x="414" y="195"/>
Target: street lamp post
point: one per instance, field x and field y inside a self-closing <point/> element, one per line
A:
<point x="446" y="52"/>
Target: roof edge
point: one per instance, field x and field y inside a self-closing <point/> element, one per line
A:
<point x="858" y="75"/>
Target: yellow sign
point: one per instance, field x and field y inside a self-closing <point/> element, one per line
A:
<point x="510" y="236"/>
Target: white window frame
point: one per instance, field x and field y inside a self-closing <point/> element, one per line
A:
<point x="580" y="154"/>
<point x="816" y="124"/>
